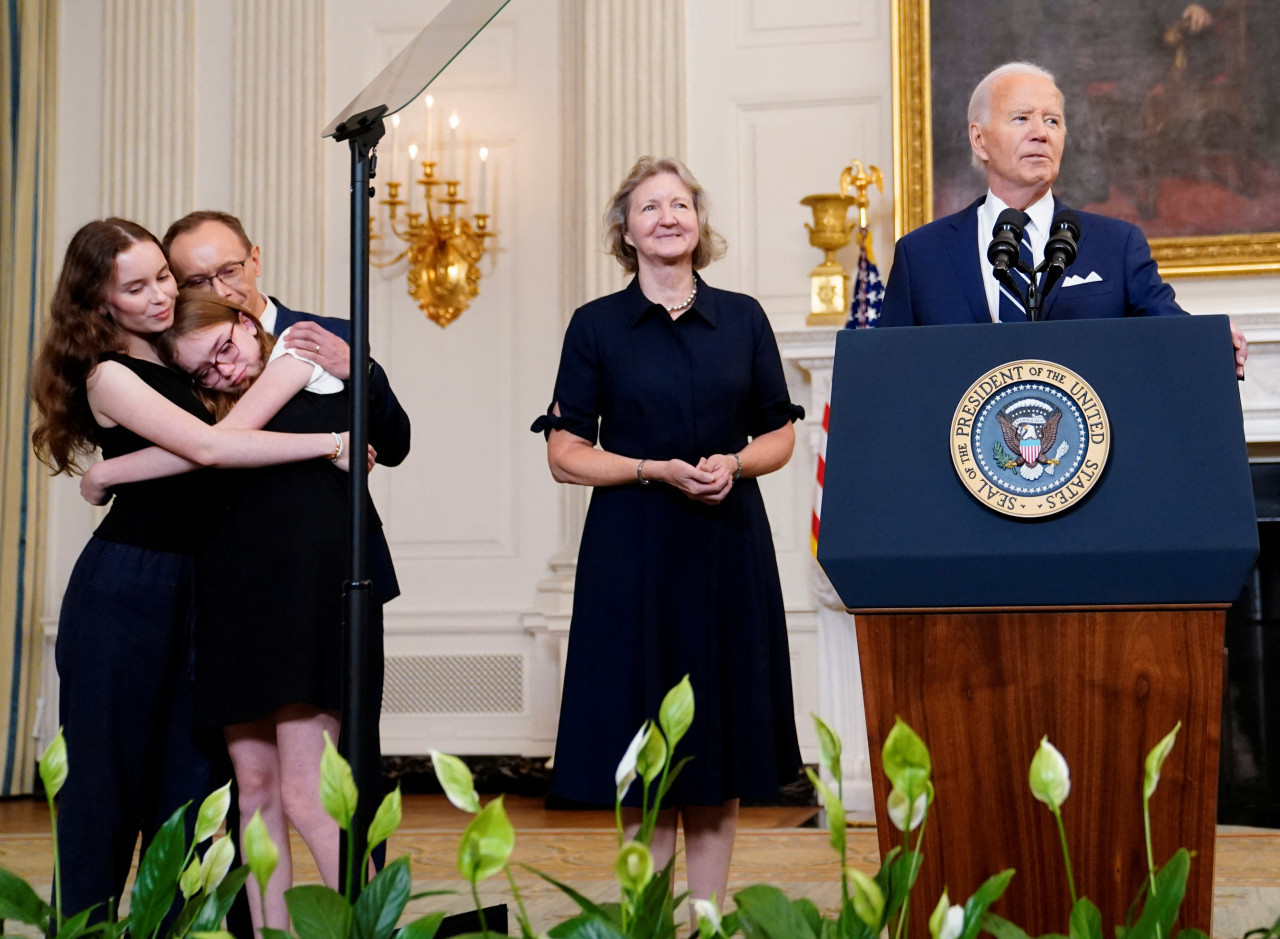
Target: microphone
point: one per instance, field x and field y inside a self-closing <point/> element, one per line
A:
<point x="1064" y="232"/>
<point x="1005" y="239"/>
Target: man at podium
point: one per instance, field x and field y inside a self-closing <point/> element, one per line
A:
<point x="942" y="273"/>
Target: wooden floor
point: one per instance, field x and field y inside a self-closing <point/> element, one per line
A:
<point x="578" y="847"/>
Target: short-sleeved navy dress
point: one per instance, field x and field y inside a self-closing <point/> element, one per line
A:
<point x="668" y="586"/>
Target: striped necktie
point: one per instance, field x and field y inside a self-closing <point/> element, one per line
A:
<point x="1012" y="309"/>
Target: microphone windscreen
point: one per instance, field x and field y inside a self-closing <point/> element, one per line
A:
<point x="1066" y="220"/>
<point x="1010" y="220"/>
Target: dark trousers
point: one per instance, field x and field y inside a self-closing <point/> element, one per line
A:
<point x="126" y="706"/>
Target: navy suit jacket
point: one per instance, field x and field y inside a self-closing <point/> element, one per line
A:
<point x="389" y="434"/>
<point x="388" y="423"/>
<point x="937" y="278"/>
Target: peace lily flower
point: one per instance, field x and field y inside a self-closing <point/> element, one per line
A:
<point x="216" y="863"/>
<point x="190" y="881"/>
<point x="829" y="746"/>
<point x="897" y="806"/>
<point x="634" y="867"/>
<point x="906" y="760"/>
<point x="625" y="774"/>
<point x="675" y="715"/>
<point x="486" y="844"/>
<point x="867" y="897"/>
<point x="53" y="765"/>
<point x="456" y="781"/>
<point x="947" y="921"/>
<point x="387" y="819"/>
<point x="1050" y="776"/>
<point x="260" y="852"/>
<point x="653" y="756"/>
<point x="213" y="810"/>
<point x="708" y="917"/>
<point x="1155" y="761"/>
<point x="337" y="786"/>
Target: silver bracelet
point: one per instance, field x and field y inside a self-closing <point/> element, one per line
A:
<point x="338" y="446"/>
<point x="738" y="472"/>
<point x="640" y="472"/>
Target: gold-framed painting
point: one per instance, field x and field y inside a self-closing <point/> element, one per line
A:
<point x="1172" y="111"/>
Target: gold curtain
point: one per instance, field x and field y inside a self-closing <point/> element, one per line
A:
<point x="28" y="30"/>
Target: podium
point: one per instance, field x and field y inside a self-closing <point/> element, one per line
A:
<point x="1099" y="624"/>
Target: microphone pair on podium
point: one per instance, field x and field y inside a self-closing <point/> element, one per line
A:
<point x="1059" y="252"/>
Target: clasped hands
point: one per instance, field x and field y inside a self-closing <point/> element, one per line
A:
<point x="709" y="481"/>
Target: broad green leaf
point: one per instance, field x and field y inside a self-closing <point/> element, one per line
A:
<point x="809" y="913"/>
<point x="78" y="925"/>
<point x="1001" y="928"/>
<point x="424" y="927"/>
<point x="18" y="902"/>
<point x="992" y="889"/>
<point x="318" y="912"/>
<point x="835" y="812"/>
<point x="338" y="792"/>
<point x="829" y="747"/>
<point x="586" y="926"/>
<point x="1155" y="761"/>
<point x="217" y="861"/>
<point x="906" y="760"/>
<point x="53" y="765"/>
<point x="1162" y="905"/>
<point x="867" y="898"/>
<point x="653" y="910"/>
<point x="381" y="902"/>
<point x="1050" y="777"/>
<point x="213" y="811"/>
<point x="268" y="933"/>
<point x="1085" y="921"/>
<point x="158" y="873"/>
<point x="634" y="866"/>
<point x="387" y="819"/>
<point x="652" y="757"/>
<point x="190" y="882"/>
<point x="212" y="934"/>
<point x="215" y="907"/>
<point x="625" y="774"/>
<point x="764" y="912"/>
<point x="260" y="852"/>
<point x="456" y="781"/>
<point x="486" y="844"/>
<point x="676" y="712"/>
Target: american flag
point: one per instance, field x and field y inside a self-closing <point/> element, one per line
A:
<point x="868" y="288"/>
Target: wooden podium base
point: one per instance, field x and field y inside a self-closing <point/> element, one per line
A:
<point x="1105" y="685"/>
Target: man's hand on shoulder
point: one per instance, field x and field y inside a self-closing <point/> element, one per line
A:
<point x="316" y="344"/>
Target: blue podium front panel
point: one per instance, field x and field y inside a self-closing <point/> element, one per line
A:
<point x="1169" y="519"/>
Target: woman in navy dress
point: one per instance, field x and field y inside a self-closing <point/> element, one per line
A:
<point x="683" y="386"/>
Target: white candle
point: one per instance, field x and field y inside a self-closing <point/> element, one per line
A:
<point x="451" y="170"/>
<point x="431" y="115"/>
<point x="484" y="156"/>
<point x="394" y="152"/>
<point x="413" y="185"/>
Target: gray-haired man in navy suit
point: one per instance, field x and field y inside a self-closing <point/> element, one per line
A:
<point x="941" y="274"/>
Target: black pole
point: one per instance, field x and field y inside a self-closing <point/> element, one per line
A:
<point x="362" y="131"/>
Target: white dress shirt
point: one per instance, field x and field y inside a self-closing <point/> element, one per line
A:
<point x="1037" y="231"/>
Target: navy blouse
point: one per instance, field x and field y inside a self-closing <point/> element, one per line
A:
<point x="657" y="388"/>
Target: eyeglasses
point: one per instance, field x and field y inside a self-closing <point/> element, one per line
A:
<point x="227" y="353"/>
<point x="231" y="275"/>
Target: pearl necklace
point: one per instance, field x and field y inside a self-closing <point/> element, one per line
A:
<point x="688" y="302"/>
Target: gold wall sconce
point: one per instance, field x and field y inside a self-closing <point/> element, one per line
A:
<point x="829" y="295"/>
<point x="442" y="246"/>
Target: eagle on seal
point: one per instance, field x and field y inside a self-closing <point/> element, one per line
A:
<point x="1031" y="443"/>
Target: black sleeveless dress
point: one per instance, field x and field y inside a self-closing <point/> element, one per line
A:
<point x="269" y="584"/>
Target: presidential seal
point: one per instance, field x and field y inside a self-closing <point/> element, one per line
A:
<point x="1030" y="438"/>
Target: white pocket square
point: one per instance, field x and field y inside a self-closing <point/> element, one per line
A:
<point x="1075" y="279"/>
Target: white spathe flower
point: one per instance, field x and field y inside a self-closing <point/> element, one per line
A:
<point x="626" y="772"/>
<point x="708" y="917"/>
<point x="1050" y="777"/>
<point x="897" y="805"/>
<point x="953" y="924"/>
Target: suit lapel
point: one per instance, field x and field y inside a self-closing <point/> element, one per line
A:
<point x="969" y="278"/>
